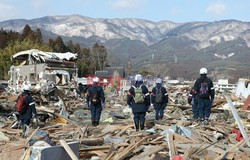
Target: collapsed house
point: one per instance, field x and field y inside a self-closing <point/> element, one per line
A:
<point x="36" y="66"/>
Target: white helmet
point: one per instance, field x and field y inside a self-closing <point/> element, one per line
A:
<point x="203" y="71"/>
<point x="138" y="77"/>
<point x="158" y="80"/>
<point x="96" y="79"/>
<point x="27" y="87"/>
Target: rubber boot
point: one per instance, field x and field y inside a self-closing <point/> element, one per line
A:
<point x="142" y="126"/>
<point x="93" y="123"/>
<point x="25" y="131"/>
<point x="136" y="126"/>
<point x="97" y="122"/>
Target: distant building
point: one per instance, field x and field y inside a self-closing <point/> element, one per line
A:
<point x="102" y="74"/>
<point x="223" y="85"/>
<point x="116" y="71"/>
<point x="37" y="66"/>
<point x="111" y="72"/>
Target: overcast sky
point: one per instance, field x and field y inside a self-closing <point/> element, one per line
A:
<point x="154" y="10"/>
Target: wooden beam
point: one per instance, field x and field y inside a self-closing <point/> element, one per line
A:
<point x="241" y="143"/>
<point x="127" y="151"/>
<point x="68" y="150"/>
<point x="188" y="153"/>
<point x="33" y="133"/>
<point x="171" y="145"/>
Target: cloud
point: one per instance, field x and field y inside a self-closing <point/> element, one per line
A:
<point x="216" y="9"/>
<point x="127" y="4"/>
<point x="7" y="11"/>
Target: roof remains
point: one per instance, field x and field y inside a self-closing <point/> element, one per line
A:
<point x="37" y="54"/>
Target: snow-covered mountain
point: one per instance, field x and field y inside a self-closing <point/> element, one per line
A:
<point x="179" y="49"/>
<point x="204" y="33"/>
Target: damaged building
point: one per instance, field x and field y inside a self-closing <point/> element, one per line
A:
<point x="36" y="66"/>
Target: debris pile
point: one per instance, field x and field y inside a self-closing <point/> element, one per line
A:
<point x="63" y="131"/>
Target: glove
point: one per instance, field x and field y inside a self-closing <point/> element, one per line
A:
<point x="192" y="102"/>
<point x="151" y="105"/>
<point x="103" y="105"/>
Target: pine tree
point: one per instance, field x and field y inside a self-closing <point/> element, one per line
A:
<point x="70" y="46"/>
<point x="27" y="33"/>
<point x="38" y="36"/>
<point x="59" y="45"/>
<point x="51" y="44"/>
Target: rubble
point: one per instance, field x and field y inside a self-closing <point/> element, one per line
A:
<point x="65" y="132"/>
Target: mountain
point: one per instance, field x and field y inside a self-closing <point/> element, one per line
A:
<point x="147" y="44"/>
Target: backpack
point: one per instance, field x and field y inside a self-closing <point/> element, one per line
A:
<point x="21" y="105"/>
<point x="159" y="95"/>
<point x="95" y="96"/>
<point x="204" y="92"/>
<point x="139" y="96"/>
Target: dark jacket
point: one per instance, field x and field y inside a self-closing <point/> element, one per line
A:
<point x="164" y="94"/>
<point x="197" y="86"/>
<point x="30" y="104"/>
<point x="143" y="107"/>
<point x="91" y="91"/>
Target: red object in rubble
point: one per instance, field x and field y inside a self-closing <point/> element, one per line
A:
<point x="177" y="158"/>
<point x="239" y="135"/>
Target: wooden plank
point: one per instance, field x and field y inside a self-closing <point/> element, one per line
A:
<point x="124" y="129"/>
<point x="188" y="153"/>
<point x="110" y="153"/>
<point x="91" y="141"/>
<point x="244" y="156"/>
<point x="127" y="151"/>
<point x="230" y="155"/>
<point x="84" y="130"/>
<point x="241" y="143"/>
<point x="212" y="148"/>
<point x="94" y="148"/>
<point x="33" y="133"/>
<point x="158" y="138"/>
<point x="171" y="145"/>
<point x="148" y="152"/>
<point x="68" y="150"/>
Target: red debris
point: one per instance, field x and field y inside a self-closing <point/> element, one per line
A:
<point x="239" y="135"/>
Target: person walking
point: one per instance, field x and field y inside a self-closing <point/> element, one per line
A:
<point x="138" y="99"/>
<point x="96" y="97"/>
<point x="159" y="99"/>
<point x="204" y="90"/>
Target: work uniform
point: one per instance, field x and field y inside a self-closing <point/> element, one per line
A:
<point x="204" y="102"/>
<point x="193" y="100"/>
<point x="30" y="109"/>
<point x="139" y="109"/>
<point x="95" y="109"/>
<point x="159" y="106"/>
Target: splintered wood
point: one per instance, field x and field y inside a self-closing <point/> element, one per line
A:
<point x="174" y="136"/>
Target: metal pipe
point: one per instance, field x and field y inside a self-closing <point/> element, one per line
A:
<point x="237" y="118"/>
